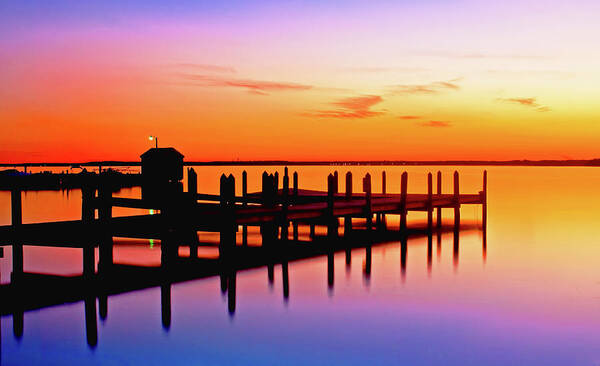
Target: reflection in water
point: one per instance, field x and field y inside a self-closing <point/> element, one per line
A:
<point x="429" y="252"/>
<point x="330" y="273"/>
<point x="285" y="282"/>
<point x="91" y="323"/>
<point x="231" y="289"/>
<point x="228" y="284"/>
<point x="165" y="305"/>
<point x="367" y="266"/>
<point x="455" y="246"/>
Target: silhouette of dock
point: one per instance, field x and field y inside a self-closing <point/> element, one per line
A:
<point x="277" y="210"/>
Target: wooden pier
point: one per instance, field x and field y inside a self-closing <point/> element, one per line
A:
<point x="277" y="209"/>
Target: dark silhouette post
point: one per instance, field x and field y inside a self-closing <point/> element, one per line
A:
<point x="348" y="219"/>
<point x="484" y="214"/>
<point x="192" y="182"/>
<point x="456" y="202"/>
<point x="368" y="203"/>
<point x="382" y="222"/>
<point x="331" y="219"/>
<point x="403" y="194"/>
<point x="16" y="221"/>
<point x="336" y="189"/>
<point x="483" y="196"/>
<point x="439" y="192"/>
<point x="295" y="193"/>
<point x="87" y="217"/>
<point x="429" y="204"/>
<point x="105" y="216"/>
<point x="284" y="205"/>
<point x="193" y="191"/>
<point x="245" y="204"/>
<point x="228" y="227"/>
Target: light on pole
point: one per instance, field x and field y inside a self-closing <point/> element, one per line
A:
<point x="155" y="140"/>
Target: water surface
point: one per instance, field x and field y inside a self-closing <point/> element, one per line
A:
<point x="531" y="298"/>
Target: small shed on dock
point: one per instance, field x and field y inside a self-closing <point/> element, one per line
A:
<point x="163" y="164"/>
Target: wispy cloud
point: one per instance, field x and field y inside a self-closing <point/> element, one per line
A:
<point x="480" y="55"/>
<point x="259" y="87"/>
<point x="526" y="102"/>
<point x="435" y="124"/>
<point x="351" y="108"/>
<point x="377" y="69"/>
<point x="207" y="68"/>
<point x="409" y="117"/>
<point x="430" y="88"/>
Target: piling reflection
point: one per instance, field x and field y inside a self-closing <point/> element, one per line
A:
<point x="285" y="279"/>
<point x="165" y="306"/>
<point x="228" y="285"/>
<point x="91" y="323"/>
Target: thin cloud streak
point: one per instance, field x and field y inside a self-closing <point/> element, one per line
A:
<point x="431" y="88"/>
<point x="436" y="124"/>
<point x="526" y="102"/>
<point x="351" y="108"/>
<point x="207" y="68"/>
<point x="258" y="87"/>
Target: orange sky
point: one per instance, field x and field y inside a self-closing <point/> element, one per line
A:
<point x="358" y="82"/>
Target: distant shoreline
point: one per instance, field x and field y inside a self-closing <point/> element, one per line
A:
<point x="554" y="163"/>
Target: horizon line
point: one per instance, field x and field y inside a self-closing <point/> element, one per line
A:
<point x="273" y="162"/>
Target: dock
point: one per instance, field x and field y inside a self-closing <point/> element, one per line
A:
<point x="279" y="210"/>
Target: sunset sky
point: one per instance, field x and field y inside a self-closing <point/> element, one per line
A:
<point x="299" y="80"/>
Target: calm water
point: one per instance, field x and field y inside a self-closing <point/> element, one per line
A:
<point x="532" y="299"/>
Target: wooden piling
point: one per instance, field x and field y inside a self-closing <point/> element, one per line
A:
<point x="87" y="216"/>
<point x="245" y="204"/>
<point x="335" y="182"/>
<point x="403" y="194"/>
<point x="484" y="215"/>
<point x="439" y="192"/>
<point x="456" y="202"/>
<point x="429" y="203"/>
<point x="484" y="202"/>
<point x="348" y="219"/>
<point x="227" y="202"/>
<point x="382" y="221"/>
<point x="16" y="221"/>
<point x="331" y="186"/>
<point x="284" y="204"/>
<point x="105" y="217"/>
<point x="295" y="193"/>
<point x="192" y="182"/>
<point x="368" y="202"/>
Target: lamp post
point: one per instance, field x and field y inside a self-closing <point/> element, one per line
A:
<point x="155" y="140"/>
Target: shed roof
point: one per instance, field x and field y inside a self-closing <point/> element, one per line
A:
<point x="162" y="152"/>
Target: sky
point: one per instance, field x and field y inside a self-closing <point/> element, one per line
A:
<point x="299" y="80"/>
